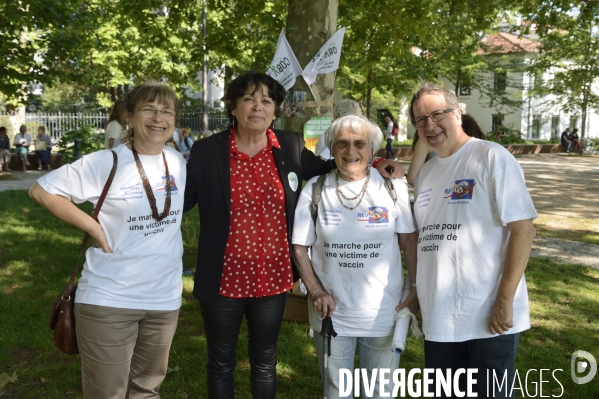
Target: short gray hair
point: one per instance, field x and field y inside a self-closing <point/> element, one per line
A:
<point x="346" y="107"/>
<point x="356" y="124"/>
<point x="432" y="88"/>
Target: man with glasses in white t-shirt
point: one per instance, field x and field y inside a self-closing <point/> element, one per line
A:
<point x="474" y="217"/>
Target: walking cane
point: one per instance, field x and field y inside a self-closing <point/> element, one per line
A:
<point x="326" y="332"/>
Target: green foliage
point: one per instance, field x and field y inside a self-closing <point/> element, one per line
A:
<point x="23" y="28"/>
<point x="378" y="68"/>
<point x="570" y="52"/>
<point x="67" y="97"/>
<point x="505" y="135"/>
<point x="90" y="142"/>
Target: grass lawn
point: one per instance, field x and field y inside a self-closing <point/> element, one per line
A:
<point x="568" y="228"/>
<point x="38" y="252"/>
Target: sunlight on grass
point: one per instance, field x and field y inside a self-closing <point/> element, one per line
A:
<point x="574" y="229"/>
<point x="38" y="253"/>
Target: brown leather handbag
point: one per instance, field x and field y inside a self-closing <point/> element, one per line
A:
<point x="62" y="320"/>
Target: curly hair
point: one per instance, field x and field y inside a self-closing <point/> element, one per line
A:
<point x="254" y="81"/>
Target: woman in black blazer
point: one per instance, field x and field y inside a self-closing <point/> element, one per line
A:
<point x="246" y="182"/>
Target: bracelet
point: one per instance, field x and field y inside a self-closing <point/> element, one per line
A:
<point x="412" y="285"/>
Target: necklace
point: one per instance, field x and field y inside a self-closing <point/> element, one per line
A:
<point x="149" y="193"/>
<point x="360" y="194"/>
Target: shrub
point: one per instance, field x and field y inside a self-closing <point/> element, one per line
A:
<point x="504" y="135"/>
<point x="90" y="142"/>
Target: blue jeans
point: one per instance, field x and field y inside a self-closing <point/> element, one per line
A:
<point x="374" y="352"/>
<point x="222" y="319"/>
<point x="389" y="149"/>
<point x="495" y="354"/>
<point x="568" y="145"/>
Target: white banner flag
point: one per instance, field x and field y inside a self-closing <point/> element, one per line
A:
<point x="284" y="67"/>
<point x="326" y="59"/>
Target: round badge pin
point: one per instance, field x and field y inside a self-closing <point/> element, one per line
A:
<point x="293" y="180"/>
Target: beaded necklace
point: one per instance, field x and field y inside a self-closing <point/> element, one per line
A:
<point x="149" y="193"/>
<point x="360" y="194"/>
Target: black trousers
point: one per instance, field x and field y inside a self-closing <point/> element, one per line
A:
<point x="389" y="148"/>
<point x="493" y="356"/>
<point x="222" y="320"/>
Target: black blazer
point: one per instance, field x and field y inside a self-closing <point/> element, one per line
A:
<point x="208" y="185"/>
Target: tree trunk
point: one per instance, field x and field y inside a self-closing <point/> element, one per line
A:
<point x="583" y="126"/>
<point x="459" y="73"/>
<point x="369" y="92"/>
<point x="310" y="23"/>
<point x="114" y="95"/>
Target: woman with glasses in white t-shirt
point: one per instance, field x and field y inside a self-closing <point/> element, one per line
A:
<point x="129" y="294"/>
<point x="354" y="274"/>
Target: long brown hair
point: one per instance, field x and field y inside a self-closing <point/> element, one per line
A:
<point x="118" y="113"/>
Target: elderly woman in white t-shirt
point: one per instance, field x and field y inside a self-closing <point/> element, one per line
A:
<point x="355" y="274"/>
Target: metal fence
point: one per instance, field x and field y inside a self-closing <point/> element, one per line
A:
<point x="193" y="120"/>
<point x="58" y="123"/>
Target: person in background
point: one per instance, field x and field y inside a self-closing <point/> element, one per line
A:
<point x="115" y="127"/>
<point x="389" y="133"/>
<point x="342" y="108"/>
<point x="565" y="139"/>
<point x="246" y="182"/>
<point x="185" y="143"/>
<point x="43" y="155"/>
<point x="129" y="294"/>
<point x="176" y="136"/>
<point x="575" y="140"/>
<point x="5" y="153"/>
<point x="206" y="134"/>
<point x="22" y="142"/>
<point x="361" y="298"/>
<point x="423" y="153"/>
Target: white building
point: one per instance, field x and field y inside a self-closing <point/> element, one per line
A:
<point x="216" y="90"/>
<point x="534" y="118"/>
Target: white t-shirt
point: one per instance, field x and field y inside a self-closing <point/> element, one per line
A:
<point x="389" y="130"/>
<point x="19" y="138"/>
<point x="355" y="254"/>
<point x="144" y="270"/>
<point x="321" y="148"/>
<point x="114" y="130"/>
<point x="463" y="205"/>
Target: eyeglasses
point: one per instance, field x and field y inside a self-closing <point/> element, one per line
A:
<point x="435" y="117"/>
<point x="343" y="144"/>
<point x="151" y="112"/>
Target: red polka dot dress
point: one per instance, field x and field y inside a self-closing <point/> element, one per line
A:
<point x="257" y="259"/>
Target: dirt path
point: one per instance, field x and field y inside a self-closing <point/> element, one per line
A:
<point x="565" y="190"/>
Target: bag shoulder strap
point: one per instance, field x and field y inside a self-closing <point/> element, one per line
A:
<point x="317" y="193"/>
<point x="96" y="211"/>
<point x="390" y="189"/>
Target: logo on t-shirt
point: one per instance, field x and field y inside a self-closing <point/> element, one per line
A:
<point x="375" y="214"/>
<point x="162" y="185"/>
<point x="462" y="189"/>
